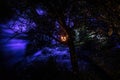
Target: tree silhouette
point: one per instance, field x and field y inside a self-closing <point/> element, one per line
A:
<point x="70" y="15"/>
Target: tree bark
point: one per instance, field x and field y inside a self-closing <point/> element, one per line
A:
<point x="73" y="56"/>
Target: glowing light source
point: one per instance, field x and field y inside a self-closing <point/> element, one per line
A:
<point x="63" y="38"/>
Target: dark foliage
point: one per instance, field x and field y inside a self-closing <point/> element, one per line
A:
<point x="97" y="15"/>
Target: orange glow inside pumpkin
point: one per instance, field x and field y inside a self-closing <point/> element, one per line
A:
<point x="63" y="38"/>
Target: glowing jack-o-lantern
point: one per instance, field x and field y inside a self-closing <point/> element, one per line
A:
<point x="63" y="38"/>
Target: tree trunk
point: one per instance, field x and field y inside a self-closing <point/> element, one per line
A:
<point x="73" y="56"/>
